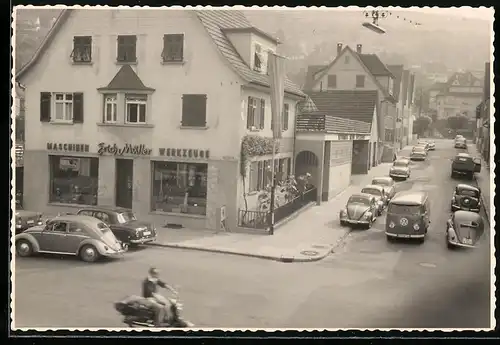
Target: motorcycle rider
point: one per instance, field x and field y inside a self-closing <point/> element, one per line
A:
<point x="159" y="303"/>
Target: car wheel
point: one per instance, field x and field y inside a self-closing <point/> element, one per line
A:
<point x="421" y="240"/>
<point x="342" y="223"/>
<point x="390" y="238"/>
<point x="449" y="245"/>
<point x="24" y="248"/>
<point x="451" y="209"/>
<point x="89" y="253"/>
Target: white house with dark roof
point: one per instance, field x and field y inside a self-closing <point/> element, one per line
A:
<point x="355" y="70"/>
<point x="461" y="95"/>
<point x="147" y="110"/>
<point x="337" y="136"/>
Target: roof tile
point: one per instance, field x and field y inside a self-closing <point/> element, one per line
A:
<point x="375" y="65"/>
<point x="346" y="104"/>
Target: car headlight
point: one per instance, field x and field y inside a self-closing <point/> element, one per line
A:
<point x="453" y="199"/>
<point x="416" y="227"/>
<point x="451" y="234"/>
<point x="392" y="225"/>
<point x="343" y="211"/>
<point x="367" y="215"/>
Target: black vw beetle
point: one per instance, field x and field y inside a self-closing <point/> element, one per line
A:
<point x="466" y="198"/>
<point x="123" y="223"/>
<point x="464" y="229"/>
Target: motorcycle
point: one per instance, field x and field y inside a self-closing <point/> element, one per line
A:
<point x="137" y="314"/>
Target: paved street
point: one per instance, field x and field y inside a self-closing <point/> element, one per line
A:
<point x="366" y="283"/>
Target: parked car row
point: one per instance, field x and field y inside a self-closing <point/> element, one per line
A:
<point x="90" y="234"/>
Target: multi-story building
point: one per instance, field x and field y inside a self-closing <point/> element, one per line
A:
<point x="483" y="117"/>
<point x="461" y="95"/>
<point x="147" y="109"/>
<point x="355" y="70"/>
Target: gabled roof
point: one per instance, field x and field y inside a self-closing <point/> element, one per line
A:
<point x="312" y="71"/>
<point x="126" y="79"/>
<point x="254" y="30"/>
<point x="214" y="21"/>
<point x="346" y="104"/>
<point x="375" y="65"/>
<point x="307" y="106"/>
<point x="397" y="71"/>
<point x="356" y="55"/>
<point x="464" y="79"/>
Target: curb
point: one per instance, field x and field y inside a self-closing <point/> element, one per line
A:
<point x="287" y="259"/>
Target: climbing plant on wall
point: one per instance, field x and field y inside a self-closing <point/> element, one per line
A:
<point x="254" y="145"/>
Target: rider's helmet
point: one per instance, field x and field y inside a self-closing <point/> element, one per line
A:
<point x="153" y="272"/>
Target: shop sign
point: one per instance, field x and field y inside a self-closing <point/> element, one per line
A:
<point x="184" y="153"/>
<point x="65" y="147"/>
<point x="115" y="150"/>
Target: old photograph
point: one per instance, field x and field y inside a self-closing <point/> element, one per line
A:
<point x="252" y="168"/>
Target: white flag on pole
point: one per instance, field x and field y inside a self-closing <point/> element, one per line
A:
<point x="277" y="73"/>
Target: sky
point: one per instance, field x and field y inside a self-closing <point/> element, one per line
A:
<point x="466" y="11"/>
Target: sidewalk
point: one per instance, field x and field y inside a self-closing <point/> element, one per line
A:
<point x="484" y="179"/>
<point x="309" y="237"/>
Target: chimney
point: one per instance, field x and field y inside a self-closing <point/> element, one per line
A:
<point x="359" y="48"/>
<point x="339" y="48"/>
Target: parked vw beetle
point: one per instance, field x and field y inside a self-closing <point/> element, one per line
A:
<point x="464" y="229"/>
<point x="83" y="236"/>
<point x="388" y="184"/>
<point x="379" y="193"/>
<point x="361" y="209"/>
<point x="466" y="198"/>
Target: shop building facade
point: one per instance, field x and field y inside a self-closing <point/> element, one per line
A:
<point x="147" y="110"/>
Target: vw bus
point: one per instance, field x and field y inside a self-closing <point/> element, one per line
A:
<point x="408" y="216"/>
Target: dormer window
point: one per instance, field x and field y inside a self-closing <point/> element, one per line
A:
<point x="258" y="60"/>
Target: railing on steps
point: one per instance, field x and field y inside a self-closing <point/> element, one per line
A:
<point x="261" y="219"/>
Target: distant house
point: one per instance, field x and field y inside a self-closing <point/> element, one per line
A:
<point x="461" y="95"/>
<point x="433" y="91"/>
<point x="355" y="70"/>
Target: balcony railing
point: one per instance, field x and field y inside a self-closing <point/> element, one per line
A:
<point x="311" y="122"/>
<point x="331" y="124"/>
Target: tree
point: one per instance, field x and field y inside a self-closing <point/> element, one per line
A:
<point x="421" y="125"/>
<point x="458" y="122"/>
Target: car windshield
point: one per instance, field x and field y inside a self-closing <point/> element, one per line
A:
<point x="401" y="164"/>
<point x="404" y="209"/>
<point x="381" y="182"/>
<point x="371" y="191"/>
<point x="358" y="200"/>
<point x="463" y="159"/>
<point x="125" y="217"/>
<point x="468" y="192"/>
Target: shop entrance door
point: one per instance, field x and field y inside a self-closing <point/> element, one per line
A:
<point x="124" y="182"/>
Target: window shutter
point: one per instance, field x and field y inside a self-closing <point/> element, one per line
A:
<point x="78" y="107"/>
<point x="249" y="113"/>
<point x="45" y="99"/>
<point x="262" y="113"/>
<point x="194" y="110"/>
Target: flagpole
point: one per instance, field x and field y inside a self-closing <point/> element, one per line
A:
<point x="276" y="80"/>
<point x="273" y="188"/>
